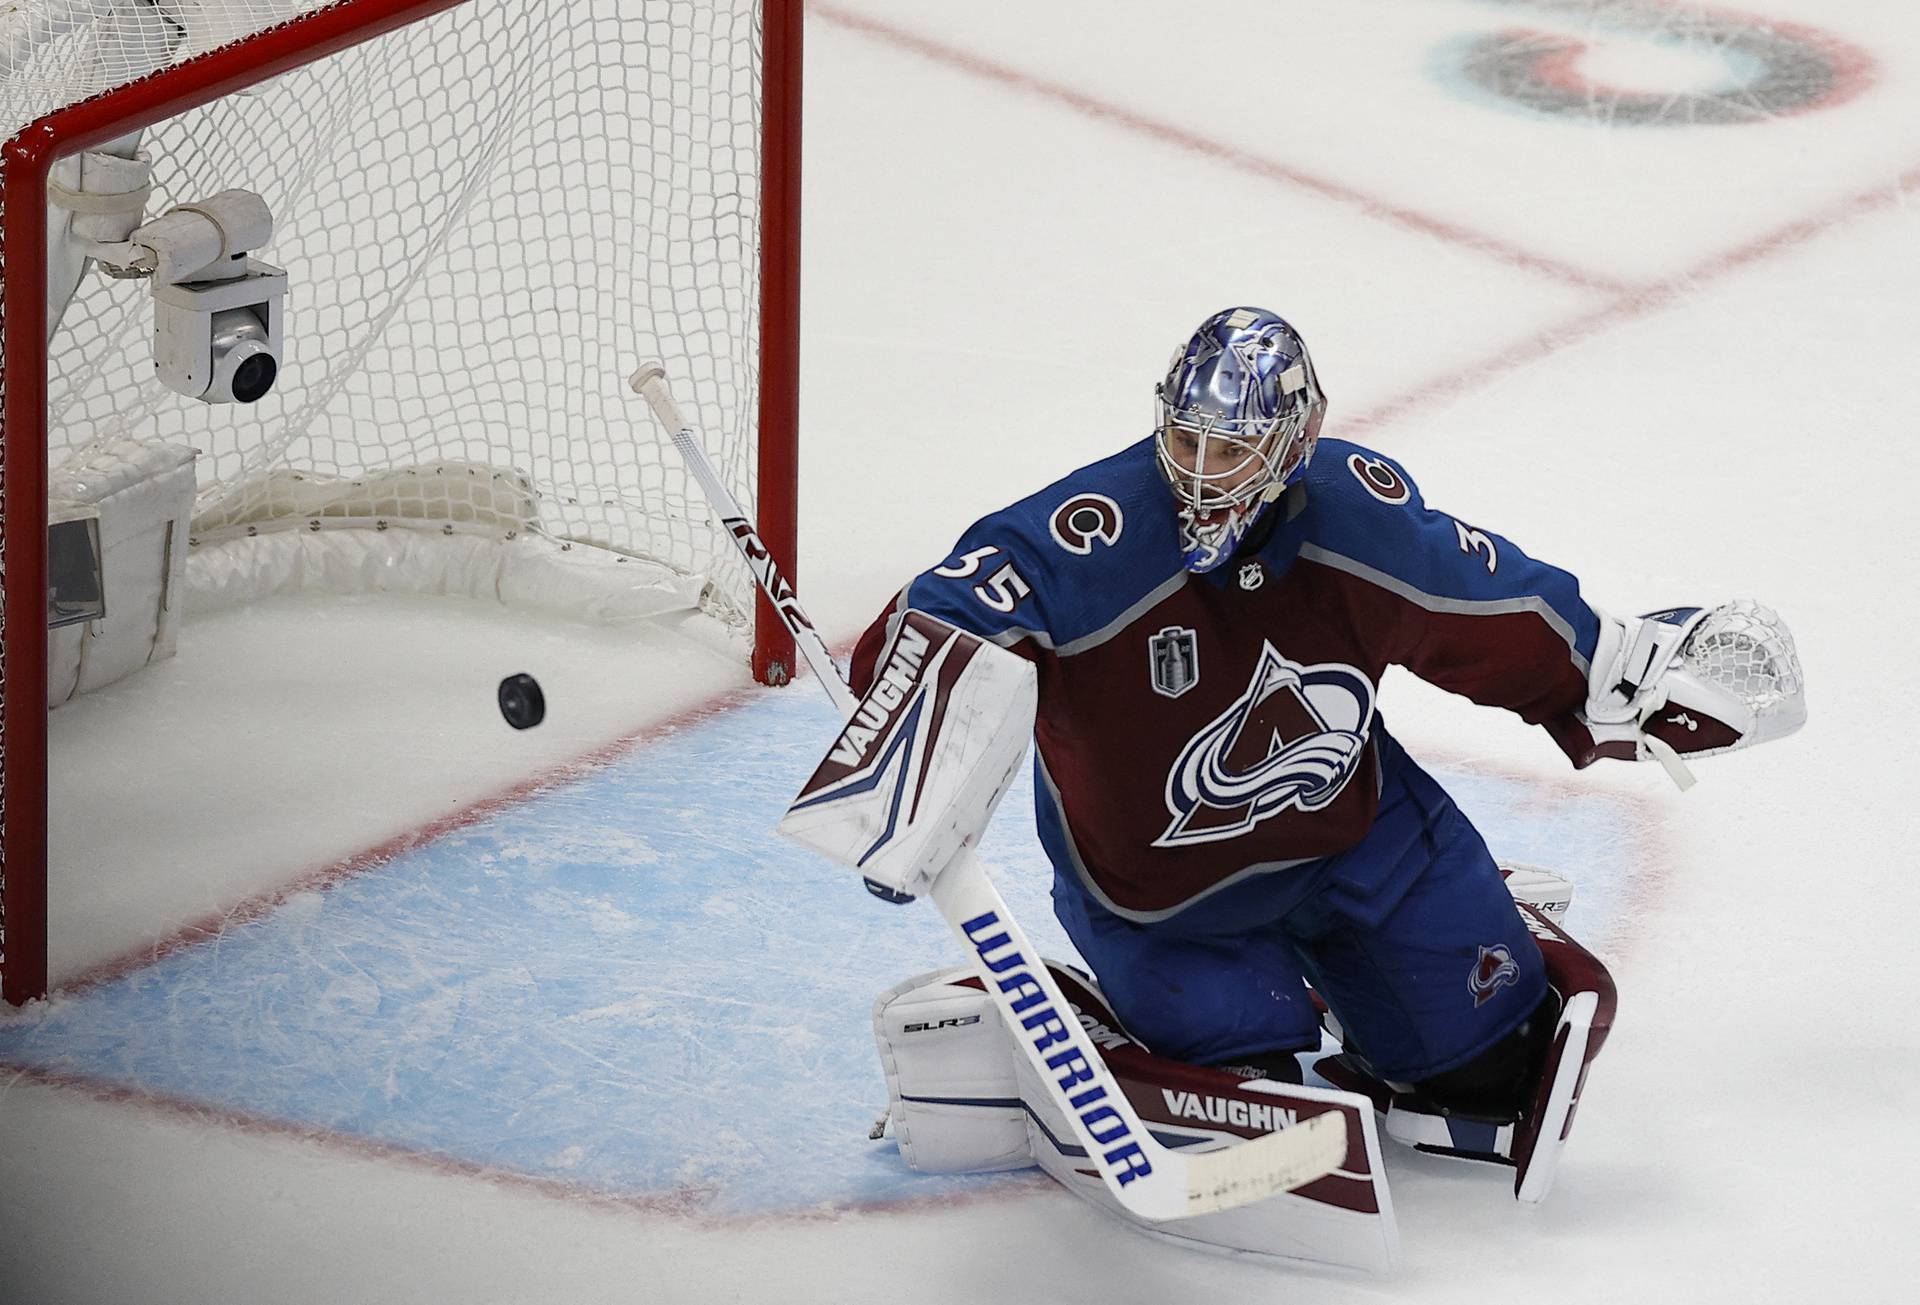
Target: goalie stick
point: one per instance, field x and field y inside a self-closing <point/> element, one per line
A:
<point x="1149" y="1179"/>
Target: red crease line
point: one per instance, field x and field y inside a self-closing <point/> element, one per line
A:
<point x="324" y="877"/>
<point x="689" y="1202"/>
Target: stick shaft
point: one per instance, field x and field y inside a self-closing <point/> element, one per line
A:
<point x="765" y="571"/>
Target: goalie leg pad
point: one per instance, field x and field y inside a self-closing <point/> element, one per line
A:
<point x="1587" y="1003"/>
<point x="1546" y="891"/>
<point x="1344" y="1219"/>
<point x="952" y="1096"/>
<point x="963" y="1100"/>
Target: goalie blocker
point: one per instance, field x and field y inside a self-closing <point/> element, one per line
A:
<point x="916" y="772"/>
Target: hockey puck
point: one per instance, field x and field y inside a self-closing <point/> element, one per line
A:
<point x="521" y="701"/>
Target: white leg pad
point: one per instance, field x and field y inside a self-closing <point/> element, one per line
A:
<point x="952" y="1095"/>
<point x="1547" y="891"/>
<point x="961" y="1100"/>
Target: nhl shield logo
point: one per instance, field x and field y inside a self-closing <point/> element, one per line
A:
<point x="1173" y="655"/>
<point x="1252" y="576"/>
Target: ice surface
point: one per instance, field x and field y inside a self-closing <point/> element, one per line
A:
<point x="1673" y="356"/>
<point x="625" y="984"/>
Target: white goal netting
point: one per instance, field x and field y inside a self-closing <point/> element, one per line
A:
<point x="487" y="218"/>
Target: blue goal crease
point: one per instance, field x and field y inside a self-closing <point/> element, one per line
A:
<point x="627" y="983"/>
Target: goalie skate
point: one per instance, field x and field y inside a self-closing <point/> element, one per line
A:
<point x="1532" y="1143"/>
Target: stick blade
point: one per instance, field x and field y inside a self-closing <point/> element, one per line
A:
<point x="1266" y="1166"/>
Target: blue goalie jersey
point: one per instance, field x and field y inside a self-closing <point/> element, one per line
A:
<point x="1198" y="730"/>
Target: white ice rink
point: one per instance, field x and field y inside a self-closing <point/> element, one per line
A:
<point x="1656" y="324"/>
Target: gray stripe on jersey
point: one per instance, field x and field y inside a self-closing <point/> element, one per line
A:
<point x="1151" y="917"/>
<point x="1015" y="633"/>
<point x="1147" y="602"/>
<point x="1462" y="606"/>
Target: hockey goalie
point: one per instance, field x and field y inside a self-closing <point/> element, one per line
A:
<point x="1244" y="855"/>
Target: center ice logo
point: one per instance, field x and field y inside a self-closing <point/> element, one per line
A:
<point x="1291" y="741"/>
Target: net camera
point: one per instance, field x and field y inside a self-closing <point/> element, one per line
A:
<point x="217" y="328"/>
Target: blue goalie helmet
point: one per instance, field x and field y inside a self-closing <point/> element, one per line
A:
<point x="1239" y="413"/>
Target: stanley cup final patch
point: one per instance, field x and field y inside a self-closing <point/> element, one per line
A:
<point x="1173" y="657"/>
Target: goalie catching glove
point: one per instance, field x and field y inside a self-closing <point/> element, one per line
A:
<point x="1688" y="681"/>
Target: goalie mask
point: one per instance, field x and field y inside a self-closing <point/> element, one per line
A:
<point x="1239" y="413"/>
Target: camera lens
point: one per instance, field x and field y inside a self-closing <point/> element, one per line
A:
<point x="244" y="367"/>
<point x="254" y="377"/>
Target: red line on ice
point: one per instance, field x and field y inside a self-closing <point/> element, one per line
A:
<point x="687" y="1202"/>
<point x="1182" y="138"/>
<point x="323" y="877"/>
<point x="1632" y="304"/>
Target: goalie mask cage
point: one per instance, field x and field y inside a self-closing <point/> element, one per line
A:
<point x="488" y="213"/>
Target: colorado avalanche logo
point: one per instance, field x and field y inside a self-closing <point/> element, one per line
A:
<point x="1291" y="741"/>
<point x="1494" y="970"/>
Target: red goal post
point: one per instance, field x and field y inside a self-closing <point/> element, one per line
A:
<point x="767" y="243"/>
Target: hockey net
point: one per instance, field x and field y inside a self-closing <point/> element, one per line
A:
<point x="488" y="214"/>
